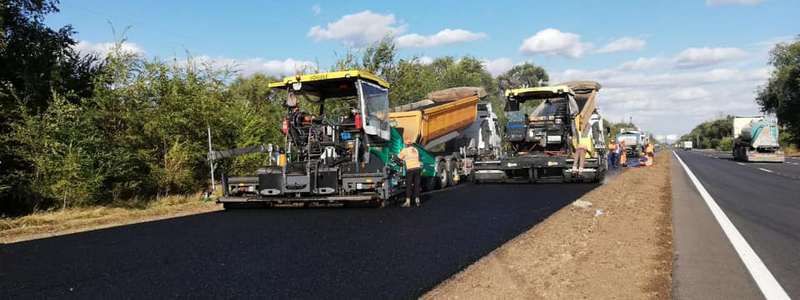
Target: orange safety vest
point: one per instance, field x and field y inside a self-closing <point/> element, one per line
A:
<point x="410" y="156"/>
<point x="649" y="149"/>
<point x="612" y="147"/>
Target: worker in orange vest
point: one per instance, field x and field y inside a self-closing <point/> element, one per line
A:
<point x="623" y="154"/>
<point x="410" y="156"/>
<point x="649" y="153"/>
<point x="612" y="154"/>
<point x="582" y="145"/>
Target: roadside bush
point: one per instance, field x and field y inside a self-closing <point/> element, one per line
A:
<point x="726" y="144"/>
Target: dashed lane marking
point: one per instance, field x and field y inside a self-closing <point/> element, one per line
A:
<point x="763" y="277"/>
<point x="766" y="170"/>
<point x="741" y="164"/>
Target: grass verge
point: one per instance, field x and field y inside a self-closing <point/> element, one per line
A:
<point x="620" y="247"/>
<point x="71" y="220"/>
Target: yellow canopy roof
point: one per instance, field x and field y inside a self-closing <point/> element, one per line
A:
<point x="540" y="92"/>
<point x="330" y="77"/>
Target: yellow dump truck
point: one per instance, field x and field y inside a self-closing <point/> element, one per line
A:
<point x="446" y="125"/>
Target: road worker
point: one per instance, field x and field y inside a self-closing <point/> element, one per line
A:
<point x="649" y="153"/>
<point x="410" y="157"/>
<point x="612" y="154"/>
<point x="623" y="154"/>
<point x="582" y="145"/>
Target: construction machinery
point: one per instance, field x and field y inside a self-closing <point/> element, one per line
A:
<point x="447" y="126"/>
<point x="634" y="142"/>
<point x="755" y="139"/>
<point x="541" y="144"/>
<point x="342" y="140"/>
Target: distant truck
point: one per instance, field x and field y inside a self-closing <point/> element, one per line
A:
<point x="755" y="139"/>
<point x="687" y="145"/>
<point x="634" y="142"/>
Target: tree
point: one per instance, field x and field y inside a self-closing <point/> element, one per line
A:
<point x="36" y="62"/>
<point x="781" y="95"/>
<point x="711" y="134"/>
<point x="524" y="75"/>
<point x="380" y="58"/>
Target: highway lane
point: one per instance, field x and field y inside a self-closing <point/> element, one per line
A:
<point x="284" y="253"/>
<point x="789" y="169"/>
<point x="764" y="207"/>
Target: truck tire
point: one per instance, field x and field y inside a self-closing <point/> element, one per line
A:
<point x="442" y="175"/>
<point x="452" y="171"/>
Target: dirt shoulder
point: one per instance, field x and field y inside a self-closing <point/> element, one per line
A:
<point x="618" y="248"/>
<point x="53" y="223"/>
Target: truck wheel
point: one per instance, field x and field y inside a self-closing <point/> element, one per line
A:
<point x="453" y="179"/>
<point x="442" y="175"/>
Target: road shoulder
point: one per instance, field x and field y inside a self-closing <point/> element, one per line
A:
<point x="620" y="247"/>
<point x="706" y="266"/>
<point x="80" y="219"/>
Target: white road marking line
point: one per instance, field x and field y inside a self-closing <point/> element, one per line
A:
<point x="766" y="170"/>
<point x="769" y="287"/>
<point x="741" y="164"/>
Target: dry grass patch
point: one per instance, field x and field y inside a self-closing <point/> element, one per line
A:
<point x="70" y="220"/>
<point x="792" y="151"/>
<point x="619" y="248"/>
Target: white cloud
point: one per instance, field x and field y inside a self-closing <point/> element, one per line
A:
<point x="358" y="29"/>
<point x="623" y="44"/>
<point x="690" y="93"/>
<point x="103" y="49"/>
<point x="425" y="60"/>
<point x="643" y="63"/>
<point x="316" y="9"/>
<point x="444" y="37"/>
<point x="701" y="57"/>
<point x="732" y="2"/>
<point x="552" y="41"/>
<point x="498" y="66"/>
<point x="250" y="66"/>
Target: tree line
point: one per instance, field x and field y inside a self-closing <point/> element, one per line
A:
<point x="80" y="129"/>
<point x="713" y="134"/>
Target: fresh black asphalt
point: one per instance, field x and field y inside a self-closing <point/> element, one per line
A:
<point x="764" y="207"/>
<point x="284" y="253"/>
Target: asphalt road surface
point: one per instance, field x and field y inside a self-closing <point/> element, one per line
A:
<point x="284" y="253"/>
<point x="762" y="200"/>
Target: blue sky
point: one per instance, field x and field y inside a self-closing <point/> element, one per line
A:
<point x="683" y="61"/>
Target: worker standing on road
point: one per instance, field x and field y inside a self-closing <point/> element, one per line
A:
<point x="623" y="154"/>
<point x="582" y="145"/>
<point x="410" y="156"/>
<point x="612" y="154"/>
<point x="649" y="152"/>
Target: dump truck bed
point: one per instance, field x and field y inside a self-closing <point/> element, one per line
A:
<point x="434" y="122"/>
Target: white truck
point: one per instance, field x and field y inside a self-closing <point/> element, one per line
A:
<point x="634" y="142"/>
<point x="755" y="139"/>
<point x="687" y="145"/>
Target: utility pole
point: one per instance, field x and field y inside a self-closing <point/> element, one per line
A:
<point x="211" y="161"/>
